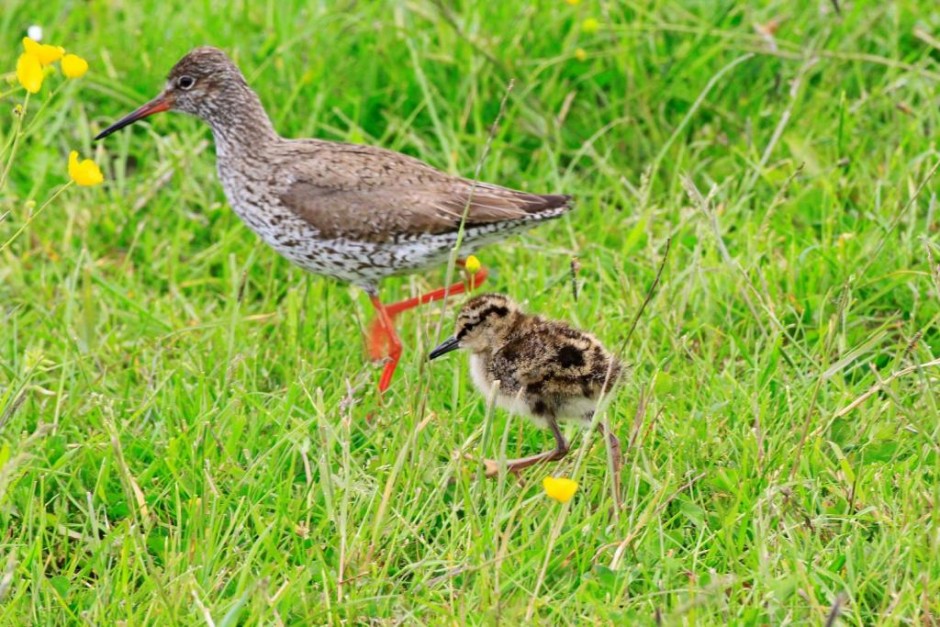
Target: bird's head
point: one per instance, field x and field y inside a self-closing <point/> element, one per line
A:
<point x="483" y="322"/>
<point x="205" y="83"/>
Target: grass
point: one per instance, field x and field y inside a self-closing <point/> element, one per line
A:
<point x="183" y="433"/>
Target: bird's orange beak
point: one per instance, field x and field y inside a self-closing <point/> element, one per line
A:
<point x="158" y="104"/>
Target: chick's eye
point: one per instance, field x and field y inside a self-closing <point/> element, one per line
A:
<point x="186" y="82"/>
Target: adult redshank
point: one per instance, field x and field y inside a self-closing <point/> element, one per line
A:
<point x="355" y="213"/>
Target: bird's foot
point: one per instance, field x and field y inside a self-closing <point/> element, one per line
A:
<point x="491" y="468"/>
<point x="516" y="466"/>
<point x="378" y="342"/>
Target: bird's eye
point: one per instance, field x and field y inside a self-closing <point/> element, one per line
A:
<point x="186" y="82"/>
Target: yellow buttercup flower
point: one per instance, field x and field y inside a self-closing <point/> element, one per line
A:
<point x="86" y="173"/>
<point x="590" y="25"/>
<point x="44" y="52"/>
<point x="472" y="264"/>
<point x="580" y="54"/>
<point x="29" y="72"/>
<point x="73" y="66"/>
<point x="559" y="488"/>
<point x="573" y="3"/>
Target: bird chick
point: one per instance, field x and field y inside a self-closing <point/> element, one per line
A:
<point x="543" y="369"/>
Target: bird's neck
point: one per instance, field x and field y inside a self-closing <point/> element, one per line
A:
<point x="241" y="123"/>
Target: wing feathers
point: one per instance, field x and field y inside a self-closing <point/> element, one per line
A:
<point x="376" y="195"/>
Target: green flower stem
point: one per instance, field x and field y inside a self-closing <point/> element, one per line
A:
<point x="35" y="214"/>
<point x="14" y="142"/>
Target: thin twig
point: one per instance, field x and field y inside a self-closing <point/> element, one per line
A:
<point x="837" y="604"/>
<point x="6" y="579"/>
<point x="649" y="296"/>
<point x="10" y="409"/>
<point x="806" y="424"/>
<point x="613" y="465"/>
<point x="575" y="268"/>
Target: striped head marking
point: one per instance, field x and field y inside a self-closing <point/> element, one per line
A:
<point x="481" y="323"/>
<point x="484" y="319"/>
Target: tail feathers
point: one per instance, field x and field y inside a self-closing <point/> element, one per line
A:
<point x="534" y="204"/>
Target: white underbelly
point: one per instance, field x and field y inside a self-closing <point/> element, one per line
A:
<point x="515" y="404"/>
<point x="578" y="410"/>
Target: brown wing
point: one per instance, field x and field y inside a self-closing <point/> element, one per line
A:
<point x="377" y="195"/>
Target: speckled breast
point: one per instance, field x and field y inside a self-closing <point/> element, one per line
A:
<point x="354" y="261"/>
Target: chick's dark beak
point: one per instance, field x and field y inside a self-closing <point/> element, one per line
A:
<point x="158" y="104"/>
<point x="450" y="344"/>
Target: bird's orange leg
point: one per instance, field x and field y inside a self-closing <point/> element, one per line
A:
<point x="382" y="337"/>
<point x="475" y="281"/>
<point x="383" y="324"/>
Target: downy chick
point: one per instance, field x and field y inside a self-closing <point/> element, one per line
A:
<point x="545" y="369"/>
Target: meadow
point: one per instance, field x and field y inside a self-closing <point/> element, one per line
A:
<point x="189" y="428"/>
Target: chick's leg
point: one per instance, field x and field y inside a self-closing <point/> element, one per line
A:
<point x="515" y="465"/>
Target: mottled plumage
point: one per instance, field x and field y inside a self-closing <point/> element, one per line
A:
<point x="355" y="213"/>
<point x="543" y="369"/>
